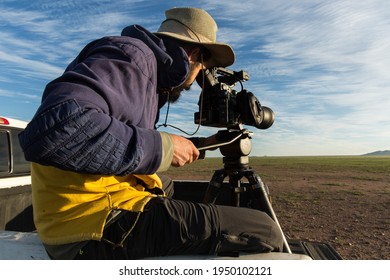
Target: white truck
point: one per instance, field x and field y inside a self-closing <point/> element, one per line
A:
<point x="15" y="179"/>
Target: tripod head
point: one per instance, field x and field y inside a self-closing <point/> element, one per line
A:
<point x="236" y="154"/>
<point x="232" y="143"/>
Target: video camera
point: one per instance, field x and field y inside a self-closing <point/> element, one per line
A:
<point x="222" y="106"/>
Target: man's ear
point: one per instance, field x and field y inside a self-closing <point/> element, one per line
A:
<point x="194" y="55"/>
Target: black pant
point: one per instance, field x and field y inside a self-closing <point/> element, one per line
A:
<point x="174" y="227"/>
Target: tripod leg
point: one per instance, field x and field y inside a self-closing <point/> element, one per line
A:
<point x="236" y="190"/>
<point x="214" y="186"/>
<point x="260" y="195"/>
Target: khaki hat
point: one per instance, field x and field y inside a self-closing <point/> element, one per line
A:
<point x="195" y="25"/>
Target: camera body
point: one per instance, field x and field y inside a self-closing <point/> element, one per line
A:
<point x="220" y="105"/>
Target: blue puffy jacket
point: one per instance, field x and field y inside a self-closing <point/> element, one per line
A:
<point x="99" y="116"/>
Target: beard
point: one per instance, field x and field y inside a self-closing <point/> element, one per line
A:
<point x="173" y="95"/>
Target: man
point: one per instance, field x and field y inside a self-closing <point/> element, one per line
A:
<point x="95" y="151"/>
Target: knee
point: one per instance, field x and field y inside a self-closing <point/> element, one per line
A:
<point x="250" y="230"/>
<point x="276" y="237"/>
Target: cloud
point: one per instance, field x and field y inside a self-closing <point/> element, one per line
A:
<point x="29" y="67"/>
<point x="19" y="95"/>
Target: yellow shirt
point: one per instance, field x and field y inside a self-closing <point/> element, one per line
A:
<point x="72" y="207"/>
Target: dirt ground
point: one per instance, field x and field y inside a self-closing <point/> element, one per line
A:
<point x="348" y="210"/>
<point x="353" y="215"/>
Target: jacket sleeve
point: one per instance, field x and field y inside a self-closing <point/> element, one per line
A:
<point x="89" y="141"/>
<point x="75" y="130"/>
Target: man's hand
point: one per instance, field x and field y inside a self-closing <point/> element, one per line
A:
<point x="184" y="151"/>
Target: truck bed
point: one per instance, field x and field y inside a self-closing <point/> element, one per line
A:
<point x="18" y="239"/>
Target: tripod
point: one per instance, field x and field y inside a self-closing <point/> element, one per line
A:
<point x="236" y="167"/>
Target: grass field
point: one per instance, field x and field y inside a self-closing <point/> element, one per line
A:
<point x="203" y="169"/>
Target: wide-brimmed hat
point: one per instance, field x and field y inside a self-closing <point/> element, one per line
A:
<point x="195" y="25"/>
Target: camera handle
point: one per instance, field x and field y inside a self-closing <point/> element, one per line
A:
<point x="235" y="146"/>
<point x="220" y="139"/>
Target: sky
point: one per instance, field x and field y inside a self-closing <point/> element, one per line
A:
<point x="323" y="66"/>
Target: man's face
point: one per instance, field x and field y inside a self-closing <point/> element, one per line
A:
<point x="195" y="68"/>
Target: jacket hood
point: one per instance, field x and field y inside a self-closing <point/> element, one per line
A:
<point x="172" y="61"/>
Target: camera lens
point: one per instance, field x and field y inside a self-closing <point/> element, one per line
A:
<point x="268" y="118"/>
